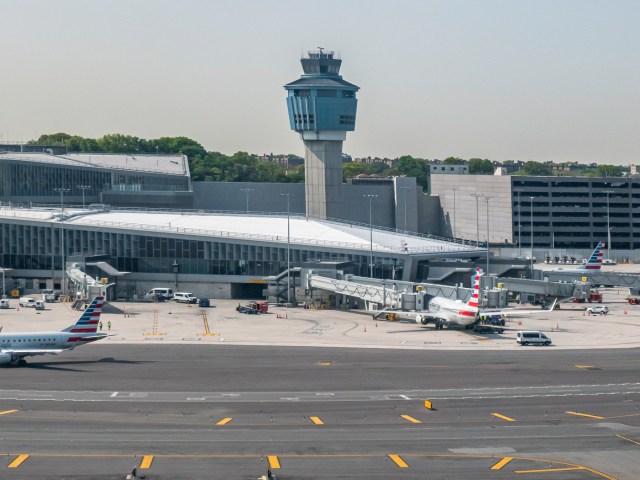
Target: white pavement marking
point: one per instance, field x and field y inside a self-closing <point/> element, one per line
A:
<point x="114" y="394"/>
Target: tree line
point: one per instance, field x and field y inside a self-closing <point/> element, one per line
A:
<point x="245" y="167"/>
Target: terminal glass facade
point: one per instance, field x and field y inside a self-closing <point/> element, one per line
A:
<point x="34" y="247"/>
<point x="21" y="179"/>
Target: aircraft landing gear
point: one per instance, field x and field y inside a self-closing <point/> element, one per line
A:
<point x="21" y="362"/>
<point x="439" y="325"/>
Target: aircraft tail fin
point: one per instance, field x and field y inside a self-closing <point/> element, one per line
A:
<point x="595" y="260"/>
<point x="473" y="301"/>
<point x="88" y="321"/>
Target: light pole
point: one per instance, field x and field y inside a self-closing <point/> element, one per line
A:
<point x="487" y="198"/>
<point x="288" y="195"/>
<point x="62" y="252"/>
<point x="3" y="283"/>
<point x="608" y="227"/>
<point x="531" y="220"/>
<point x="247" y="191"/>
<point x="175" y="268"/>
<point x="405" y="206"/>
<point x="370" y="197"/>
<point x="477" y="196"/>
<point x="83" y="188"/>
<point x="519" y="224"/>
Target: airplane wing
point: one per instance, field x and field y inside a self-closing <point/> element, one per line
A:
<point x="517" y="311"/>
<point x="26" y="352"/>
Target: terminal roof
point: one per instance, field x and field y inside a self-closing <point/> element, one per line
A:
<point x="258" y="228"/>
<point x="165" y="164"/>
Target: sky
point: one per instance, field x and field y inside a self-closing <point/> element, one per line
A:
<point x="499" y="79"/>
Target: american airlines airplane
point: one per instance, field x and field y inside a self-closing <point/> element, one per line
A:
<point x="594" y="263"/>
<point x="443" y="311"/>
<point x="15" y="346"/>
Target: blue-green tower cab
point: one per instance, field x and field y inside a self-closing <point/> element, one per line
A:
<point x="322" y="109"/>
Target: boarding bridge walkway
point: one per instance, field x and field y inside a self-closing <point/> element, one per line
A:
<point x="595" y="278"/>
<point x="385" y="293"/>
<point x="538" y="287"/>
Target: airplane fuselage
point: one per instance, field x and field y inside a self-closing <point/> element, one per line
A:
<point x="449" y="312"/>
<point x="47" y="340"/>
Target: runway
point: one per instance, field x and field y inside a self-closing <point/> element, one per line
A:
<point x="220" y="411"/>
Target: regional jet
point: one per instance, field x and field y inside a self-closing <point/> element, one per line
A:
<point x="15" y="346"/>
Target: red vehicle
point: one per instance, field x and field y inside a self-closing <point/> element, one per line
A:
<point x="595" y="297"/>
<point x="260" y="306"/>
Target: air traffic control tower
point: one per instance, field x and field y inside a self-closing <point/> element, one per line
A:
<point x="322" y="109"/>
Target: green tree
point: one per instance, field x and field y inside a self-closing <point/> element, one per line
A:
<point x="413" y="167"/>
<point x="535" y="168"/>
<point x="454" y="161"/>
<point x="609" y="171"/>
<point x="480" y="166"/>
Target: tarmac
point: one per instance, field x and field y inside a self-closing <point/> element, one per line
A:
<point x="570" y="327"/>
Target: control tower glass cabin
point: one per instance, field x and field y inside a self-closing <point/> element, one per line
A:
<point x="322" y="109"/>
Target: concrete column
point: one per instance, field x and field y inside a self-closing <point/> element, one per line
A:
<point x="323" y="178"/>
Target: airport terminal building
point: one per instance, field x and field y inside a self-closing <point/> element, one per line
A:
<point x="212" y="254"/>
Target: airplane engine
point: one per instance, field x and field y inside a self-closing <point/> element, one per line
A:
<point x="5" y="358"/>
<point x="421" y="319"/>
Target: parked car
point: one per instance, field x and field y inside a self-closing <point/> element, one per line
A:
<point x="598" y="309"/>
<point x="247" y="310"/>
<point x="185" y="297"/>
<point x="160" y="294"/>
<point x="27" y="302"/>
<point x="4" y="303"/>
<point x="532" y="337"/>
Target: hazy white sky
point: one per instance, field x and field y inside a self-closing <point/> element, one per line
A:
<point x="500" y="79"/>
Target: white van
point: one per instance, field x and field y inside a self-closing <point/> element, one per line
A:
<point x="184" y="297"/>
<point x="532" y="337"/>
<point x="27" y="302"/>
<point x="154" y="293"/>
<point x="4" y="303"/>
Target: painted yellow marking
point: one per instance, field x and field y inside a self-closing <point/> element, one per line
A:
<point x="565" y="469"/>
<point x="411" y="419"/>
<point x="428" y="405"/>
<point x="628" y="439"/>
<point x="503" y="417"/>
<point x="224" y="421"/>
<point x="273" y="461"/>
<point x="147" y="460"/>
<point x="398" y="461"/>
<point x="501" y="463"/>
<point x="324" y="364"/>
<point x="316" y="420"/>
<point x="7" y="412"/>
<point x="18" y="461"/>
<point x="584" y="366"/>
<point x="585" y="415"/>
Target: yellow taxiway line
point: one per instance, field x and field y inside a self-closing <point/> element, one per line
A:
<point x="224" y="421"/>
<point x="628" y="439"/>
<point x="503" y="417"/>
<point x="585" y="415"/>
<point x="8" y="411"/>
<point x="18" y="461"/>
<point x="398" y="461"/>
<point x="501" y="463"/>
<point x="410" y="419"/>
<point x="316" y="420"/>
<point x="565" y="469"/>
